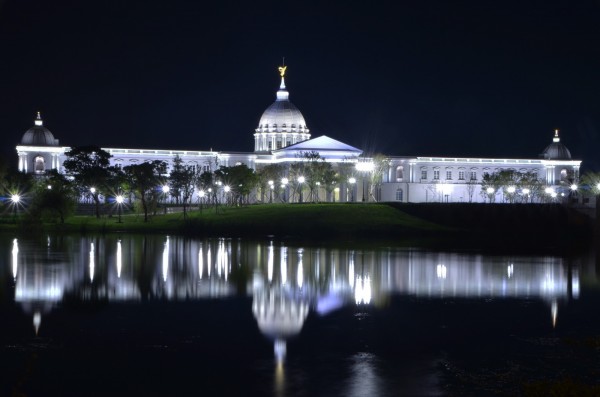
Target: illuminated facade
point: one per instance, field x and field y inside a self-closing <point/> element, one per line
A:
<point x="282" y="137"/>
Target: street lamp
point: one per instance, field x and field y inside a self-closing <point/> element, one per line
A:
<point x="300" y="182"/>
<point x="284" y="183"/>
<point x="271" y="186"/>
<point x="119" y="200"/>
<point x="352" y="181"/>
<point x="165" y="190"/>
<point x="15" y="198"/>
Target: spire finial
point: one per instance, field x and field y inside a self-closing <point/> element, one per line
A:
<point x="38" y="120"/>
<point x="556" y="137"/>
<point x="282" y="70"/>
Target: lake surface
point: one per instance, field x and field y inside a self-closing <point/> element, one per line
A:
<point x="173" y="316"/>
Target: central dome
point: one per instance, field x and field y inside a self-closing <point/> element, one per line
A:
<point x="282" y="115"/>
<point x="281" y="124"/>
<point x="556" y="150"/>
<point x="38" y="135"/>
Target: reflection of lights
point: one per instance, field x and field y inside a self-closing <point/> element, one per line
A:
<point x="208" y="261"/>
<point x="280" y="350"/>
<point x="200" y="263"/>
<point x="554" y="311"/>
<point x="441" y="271"/>
<point x="15" y="257"/>
<point x="37" y="321"/>
<point x="300" y="275"/>
<point x="119" y="259"/>
<point x="510" y="270"/>
<point x="283" y="265"/>
<point x="92" y="263"/>
<point x="362" y="290"/>
<point x="575" y="285"/>
<point x="270" y="258"/>
<point x="165" y="259"/>
<point x="351" y="269"/>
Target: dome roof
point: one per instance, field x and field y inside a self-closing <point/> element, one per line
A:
<point x="556" y="150"/>
<point x="38" y="135"/>
<point x="282" y="115"/>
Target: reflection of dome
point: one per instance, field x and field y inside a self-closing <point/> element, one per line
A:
<point x="38" y="135"/>
<point x="282" y="115"/>
<point x="278" y="314"/>
<point x="556" y="150"/>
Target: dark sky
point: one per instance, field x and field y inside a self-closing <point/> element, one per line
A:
<point x="478" y="78"/>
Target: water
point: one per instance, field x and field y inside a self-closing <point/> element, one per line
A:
<point x="166" y="315"/>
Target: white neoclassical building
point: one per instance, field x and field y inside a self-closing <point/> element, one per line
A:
<point x="282" y="137"/>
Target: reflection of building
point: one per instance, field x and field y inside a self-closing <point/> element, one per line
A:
<point x="282" y="137"/>
<point x="285" y="283"/>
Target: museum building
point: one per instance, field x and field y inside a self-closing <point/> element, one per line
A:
<point x="282" y="137"/>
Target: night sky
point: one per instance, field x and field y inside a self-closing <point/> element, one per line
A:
<point x="476" y="79"/>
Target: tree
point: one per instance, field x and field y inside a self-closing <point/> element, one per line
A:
<point x="381" y="165"/>
<point x="55" y="197"/>
<point x="89" y="168"/>
<point x="181" y="182"/>
<point x="270" y="172"/>
<point x="144" y="179"/>
<point x="315" y="169"/>
<point x="240" y="179"/>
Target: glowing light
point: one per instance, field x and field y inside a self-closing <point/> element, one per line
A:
<point x="15" y="198"/>
<point x="549" y="190"/>
<point x="598" y="186"/>
<point x="318" y="183"/>
<point x="92" y="190"/>
<point x="301" y="179"/>
<point x="285" y="181"/>
<point x="49" y="187"/>
<point x="271" y="183"/>
<point x="165" y="189"/>
<point x="511" y="189"/>
<point x="526" y="191"/>
<point x="201" y="193"/>
<point x="553" y="195"/>
<point x="352" y="180"/>
<point x="510" y="270"/>
<point x="119" y="199"/>
<point x="362" y="290"/>
<point x="37" y="321"/>
<point x="574" y="187"/>
<point x="490" y="190"/>
<point x="365" y="166"/>
<point x="227" y="188"/>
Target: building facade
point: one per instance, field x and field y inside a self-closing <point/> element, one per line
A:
<point x="282" y="137"/>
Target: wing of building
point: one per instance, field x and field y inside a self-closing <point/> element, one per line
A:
<point x="282" y="138"/>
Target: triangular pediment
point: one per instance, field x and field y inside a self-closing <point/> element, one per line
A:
<point x="322" y="143"/>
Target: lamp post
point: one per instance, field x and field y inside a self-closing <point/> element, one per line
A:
<point x="490" y="191"/>
<point x="119" y="200"/>
<point x="300" y="182"/>
<point x="284" y="183"/>
<point x="352" y="181"/>
<point x="271" y="187"/>
<point x="226" y="189"/>
<point x="15" y="198"/>
<point x="165" y="190"/>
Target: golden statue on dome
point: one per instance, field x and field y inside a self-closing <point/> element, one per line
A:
<point x="282" y="70"/>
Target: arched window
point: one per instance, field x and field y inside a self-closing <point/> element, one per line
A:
<point x="399" y="194"/>
<point x="563" y="174"/>
<point x="39" y="166"/>
<point x="399" y="173"/>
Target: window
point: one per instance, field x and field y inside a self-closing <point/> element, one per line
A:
<point x="473" y="175"/>
<point x="270" y="145"/>
<point x="278" y="144"/>
<point x="461" y="175"/>
<point x="423" y="174"/>
<point x="448" y="174"/>
<point x="399" y="173"/>
<point x="399" y="194"/>
<point x="436" y="174"/>
<point x="563" y="174"/>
